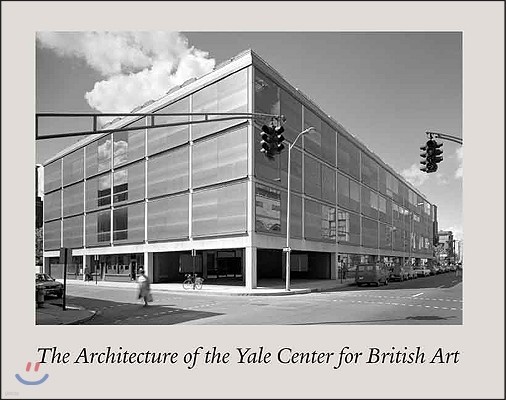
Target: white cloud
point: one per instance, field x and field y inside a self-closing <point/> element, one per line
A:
<point x="414" y="176"/>
<point x="441" y="179"/>
<point x="459" y="173"/>
<point x="137" y="66"/>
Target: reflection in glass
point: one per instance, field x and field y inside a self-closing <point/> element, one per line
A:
<point x="268" y="209"/>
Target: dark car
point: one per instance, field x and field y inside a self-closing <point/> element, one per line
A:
<point x="50" y="286"/>
<point x="399" y="273"/>
<point x="371" y="274"/>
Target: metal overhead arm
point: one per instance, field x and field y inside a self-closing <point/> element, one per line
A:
<point x="95" y="116"/>
<point x="437" y="135"/>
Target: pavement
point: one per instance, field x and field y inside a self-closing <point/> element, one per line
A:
<point x="50" y="314"/>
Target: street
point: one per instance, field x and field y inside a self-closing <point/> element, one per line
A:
<point x="428" y="300"/>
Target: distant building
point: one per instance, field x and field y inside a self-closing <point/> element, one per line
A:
<point x="446" y="245"/>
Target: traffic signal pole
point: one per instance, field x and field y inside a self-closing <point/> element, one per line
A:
<point x="95" y="116"/>
<point x="437" y="135"/>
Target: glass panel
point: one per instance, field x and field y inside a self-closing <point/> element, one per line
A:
<point x="329" y="139"/>
<point x="312" y="177"/>
<point x="348" y="157"/>
<point x="398" y="242"/>
<point x="129" y="183"/>
<point x="160" y="139"/>
<point x="369" y="203"/>
<point x="73" y="199"/>
<point x="267" y="97"/>
<point x="221" y="210"/>
<point x="268" y="210"/>
<point x="52" y="235"/>
<point x="369" y="233"/>
<point x="98" y="228"/>
<point x="98" y="192"/>
<point x="328" y="184"/>
<point x="369" y="171"/>
<point x="52" y="205"/>
<point x="319" y="221"/>
<point x="52" y="176"/>
<point x="168" y="218"/>
<point x="73" y="167"/>
<point x="292" y="110"/>
<point x="348" y="227"/>
<point x="343" y="191"/>
<point x="220" y="158"/>
<point x="98" y="156"/>
<point x="382" y="208"/>
<point x="128" y="224"/>
<point x="295" y="215"/>
<point x="328" y="223"/>
<point x="313" y="140"/>
<point x="73" y="232"/>
<point x="276" y="170"/>
<point x="385" y="236"/>
<point x="168" y="172"/>
<point x="128" y="146"/>
<point x="354" y="196"/>
<point x="230" y="95"/>
<point x="382" y="185"/>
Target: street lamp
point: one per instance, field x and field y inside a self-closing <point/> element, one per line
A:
<point x="287" y="249"/>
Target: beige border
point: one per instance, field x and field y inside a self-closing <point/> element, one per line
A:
<point x="480" y="340"/>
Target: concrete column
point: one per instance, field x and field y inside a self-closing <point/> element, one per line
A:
<point x="148" y="264"/>
<point x="250" y="270"/>
<point x="333" y="266"/>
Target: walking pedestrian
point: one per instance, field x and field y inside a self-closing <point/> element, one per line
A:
<point x="144" y="287"/>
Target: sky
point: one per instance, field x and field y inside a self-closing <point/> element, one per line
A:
<point x="387" y="89"/>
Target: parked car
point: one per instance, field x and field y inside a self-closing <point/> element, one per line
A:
<point x="433" y="269"/>
<point x="422" y="271"/>
<point x="411" y="272"/>
<point x="50" y="286"/>
<point x="398" y="273"/>
<point x="371" y="274"/>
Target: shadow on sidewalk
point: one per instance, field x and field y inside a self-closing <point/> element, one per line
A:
<point x="124" y="313"/>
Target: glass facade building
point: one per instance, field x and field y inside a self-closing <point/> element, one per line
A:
<point x="202" y="197"/>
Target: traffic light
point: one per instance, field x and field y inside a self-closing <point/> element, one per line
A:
<point x="272" y="140"/>
<point x="266" y="142"/>
<point x="437" y="152"/>
<point x="430" y="156"/>
<point x="278" y="134"/>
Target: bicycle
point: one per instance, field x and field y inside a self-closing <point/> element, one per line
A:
<point x="192" y="281"/>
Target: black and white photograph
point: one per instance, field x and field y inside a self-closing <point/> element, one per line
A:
<point x="274" y="193"/>
<point x="166" y="167"/>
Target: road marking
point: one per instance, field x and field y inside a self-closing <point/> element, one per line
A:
<point x="417" y="294"/>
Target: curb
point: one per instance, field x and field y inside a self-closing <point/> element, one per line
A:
<point x="82" y="320"/>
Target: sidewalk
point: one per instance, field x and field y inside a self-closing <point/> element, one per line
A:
<point x="267" y="287"/>
<point x="52" y="314"/>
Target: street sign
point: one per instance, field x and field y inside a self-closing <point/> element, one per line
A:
<point x="285" y="249"/>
